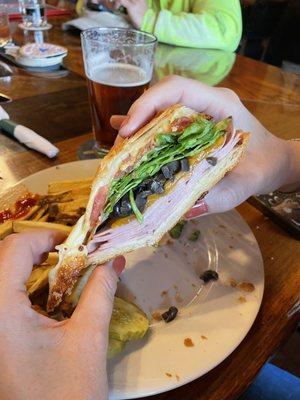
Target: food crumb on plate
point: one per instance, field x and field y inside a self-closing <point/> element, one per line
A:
<point x="232" y="282"/>
<point x="164" y="293"/>
<point x="178" y="298"/>
<point x="231" y="247"/>
<point x="242" y="299"/>
<point x="222" y="226"/>
<point x="188" y="342"/>
<point x="203" y="337"/>
<point x="194" y="236"/>
<point x="168" y="374"/>
<point x="175" y="287"/>
<point x="246" y="286"/>
<point x="156" y="315"/>
<point x="166" y="255"/>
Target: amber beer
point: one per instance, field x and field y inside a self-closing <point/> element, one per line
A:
<point x="112" y="88"/>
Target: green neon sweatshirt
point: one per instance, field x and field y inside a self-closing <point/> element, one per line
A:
<point x="206" y="24"/>
<point x="208" y="66"/>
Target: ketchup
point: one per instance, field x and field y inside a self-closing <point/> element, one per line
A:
<point x="5" y="215"/>
<point x="21" y="208"/>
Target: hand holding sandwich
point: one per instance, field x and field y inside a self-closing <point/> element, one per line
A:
<point x="40" y="357"/>
<point x="270" y="162"/>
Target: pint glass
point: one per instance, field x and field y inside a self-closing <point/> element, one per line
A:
<point x="118" y="65"/>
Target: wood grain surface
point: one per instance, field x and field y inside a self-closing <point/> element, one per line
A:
<point x="273" y="96"/>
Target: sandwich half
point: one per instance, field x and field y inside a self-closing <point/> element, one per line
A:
<point x="143" y="187"/>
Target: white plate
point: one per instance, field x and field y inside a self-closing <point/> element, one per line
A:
<point x="39" y="63"/>
<point x="157" y="277"/>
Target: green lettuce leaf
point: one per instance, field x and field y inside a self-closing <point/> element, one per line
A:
<point x="200" y="135"/>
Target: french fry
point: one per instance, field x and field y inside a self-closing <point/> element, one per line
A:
<point x="31" y="212"/>
<point x="6" y="229"/>
<point x="39" y="214"/>
<point x="44" y="218"/>
<point x="38" y="279"/>
<point x="21" y="226"/>
<point x="52" y="258"/>
<point x="62" y="186"/>
<point x="73" y="206"/>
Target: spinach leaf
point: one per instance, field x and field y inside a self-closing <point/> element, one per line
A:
<point x="197" y="137"/>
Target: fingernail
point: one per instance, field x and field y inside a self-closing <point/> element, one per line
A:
<point x="124" y="122"/>
<point x="119" y="265"/>
<point x="199" y="209"/>
<point x="123" y="131"/>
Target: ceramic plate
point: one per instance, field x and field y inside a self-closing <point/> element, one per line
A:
<point x="213" y="318"/>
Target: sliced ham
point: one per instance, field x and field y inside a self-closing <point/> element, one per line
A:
<point x="152" y="217"/>
<point x="99" y="202"/>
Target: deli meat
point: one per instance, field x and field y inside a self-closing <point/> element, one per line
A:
<point x="99" y="202"/>
<point x="106" y="240"/>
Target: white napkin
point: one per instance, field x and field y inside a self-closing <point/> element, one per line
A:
<point x="103" y="19"/>
<point x="3" y="114"/>
<point x="31" y="139"/>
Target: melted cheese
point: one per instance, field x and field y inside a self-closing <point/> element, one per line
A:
<point x="122" y="221"/>
<point x="204" y="153"/>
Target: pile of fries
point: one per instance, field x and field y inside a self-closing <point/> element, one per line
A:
<point x="60" y="208"/>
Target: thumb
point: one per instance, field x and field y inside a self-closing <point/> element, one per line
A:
<point x="96" y="301"/>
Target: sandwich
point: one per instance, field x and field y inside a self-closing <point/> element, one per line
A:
<point x="142" y="188"/>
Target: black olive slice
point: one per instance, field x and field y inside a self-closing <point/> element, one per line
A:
<point x="212" y="161"/>
<point x="171" y="314"/>
<point x="141" y="200"/>
<point x="184" y="164"/>
<point x="123" y="207"/>
<point x="209" y="275"/>
<point x="170" y="169"/>
<point x="157" y="187"/>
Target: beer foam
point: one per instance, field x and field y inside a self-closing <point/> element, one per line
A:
<point x="119" y="74"/>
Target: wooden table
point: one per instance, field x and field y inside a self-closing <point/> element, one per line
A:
<point x="272" y="96"/>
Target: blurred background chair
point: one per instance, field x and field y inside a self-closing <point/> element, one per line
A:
<point x="271" y="32"/>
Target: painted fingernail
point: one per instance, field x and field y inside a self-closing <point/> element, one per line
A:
<point x="200" y="208"/>
<point x="124" y="122"/>
<point x="119" y="265"/>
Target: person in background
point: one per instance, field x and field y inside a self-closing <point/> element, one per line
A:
<point x="45" y="359"/>
<point x="204" y="65"/>
<point x="206" y="24"/>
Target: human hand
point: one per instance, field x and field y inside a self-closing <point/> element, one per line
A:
<point x="267" y="164"/>
<point x="40" y="357"/>
<point x="136" y="10"/>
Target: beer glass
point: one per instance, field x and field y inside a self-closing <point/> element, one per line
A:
<point x="4" y="25"/>
<point x="118" y="64"/>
